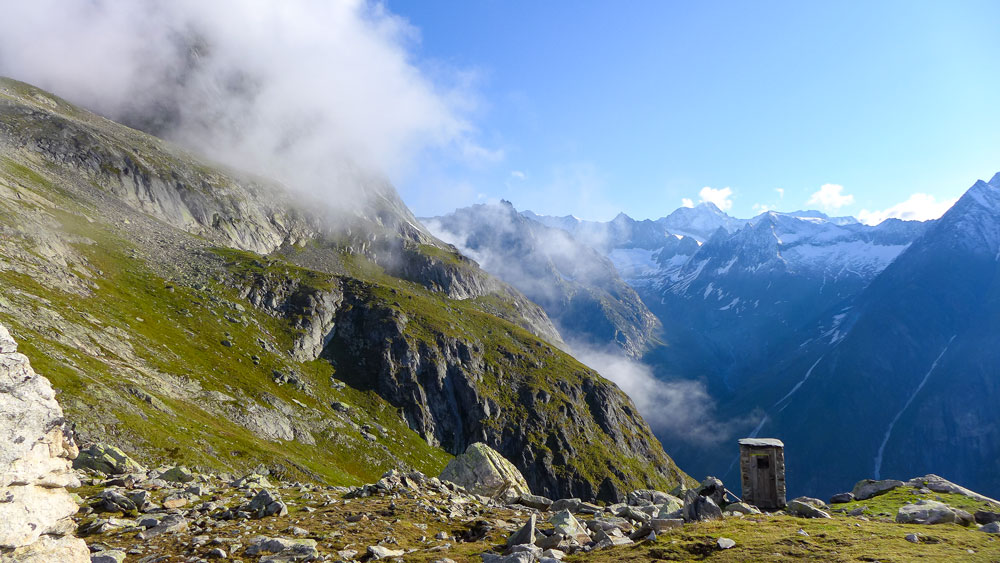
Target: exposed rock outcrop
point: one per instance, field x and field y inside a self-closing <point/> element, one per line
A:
<point x="483" y="471"/>
<point x="35" y="453"/>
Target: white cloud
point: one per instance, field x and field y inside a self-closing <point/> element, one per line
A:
<point x="918" y="207"/>
<point x="831" y="196"/>
<point x="687" y="202"/>
<point x="517" y="174"/>
<point x="781" y="192"/>
<point x="294" y="89"/>
<point x="722" y="197"/>
<point x="680" y="409"/>
<point x="761" y="207"/>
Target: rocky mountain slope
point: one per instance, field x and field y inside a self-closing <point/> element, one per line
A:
<point x="743" y="295"/>
<point x="193" y="313"/>
<point x="579" y="289"/>
<point x="909" y="373"/>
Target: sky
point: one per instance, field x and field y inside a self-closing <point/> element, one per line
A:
<point x="871" y="109"/>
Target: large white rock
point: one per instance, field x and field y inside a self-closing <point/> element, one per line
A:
<point x="483" y="471"/>
<point x="35" y="456"/>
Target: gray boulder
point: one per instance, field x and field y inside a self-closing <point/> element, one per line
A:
<point x="868" y="488"/>
<point x="170" y="524"/>
<point x="113" y="501"/>
<point x="670" y="508"/>
<point x="991" y="528"/>
<point x="525" y="535"/>
<point x="521" y="557"/>
<point x="926" y="512"/>
<point x="742" y="508"/>
<point x="567" y="525"/>
<point x="483" y="471"/>
<point x="841" y="498"/>
<point x="698" y="508"/>
<point x="714" y="489"/>
<point x="570" y="504"/>
<point x="36" y="451"/>
<point x="534" y="501"/>
<point x="986" y="517"/>
<point x="178" y="474"/>
<point x="806" y="507"/>
<point x="377" y="552"/>
<point x="941" y="485"/>
<point x="107" y="459"/>
<point x="108" y="556"/>
<point x="292" y="547"/>
<point x="265" y="503"/>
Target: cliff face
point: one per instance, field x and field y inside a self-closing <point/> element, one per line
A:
<point x="35" y="509"/>
<point x="458" y="377"/>
<point x="193" y="314"/>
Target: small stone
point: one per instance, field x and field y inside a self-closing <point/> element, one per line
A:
<point x="217" y="553"/>
<point x="913" y="538"/>
<point x="379" y="552"/>
<point x="726" y="543"/>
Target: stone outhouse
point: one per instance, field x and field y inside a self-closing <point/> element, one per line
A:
<point x="762" y="468"/>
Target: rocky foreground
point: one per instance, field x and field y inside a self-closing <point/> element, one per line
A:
<point x="172" y="514"/>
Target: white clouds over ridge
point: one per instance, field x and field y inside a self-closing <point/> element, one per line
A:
<point x="722" y="198"/>
<point x="918" y="207"/>
<point x="830" y="197"/>
<point x="292" y="89"/>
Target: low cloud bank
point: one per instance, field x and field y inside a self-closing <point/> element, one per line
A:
<point x="681" y="410"/>
<point x="310" y="92"/>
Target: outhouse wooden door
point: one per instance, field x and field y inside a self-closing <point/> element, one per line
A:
<point x="765" y="480"/>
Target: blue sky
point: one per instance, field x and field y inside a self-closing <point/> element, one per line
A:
<point x="592" y="108"/>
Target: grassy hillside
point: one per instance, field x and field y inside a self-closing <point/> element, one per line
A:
<point x="188" y="314"/>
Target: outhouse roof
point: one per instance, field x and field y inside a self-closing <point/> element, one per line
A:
<point x="761" y="442"/>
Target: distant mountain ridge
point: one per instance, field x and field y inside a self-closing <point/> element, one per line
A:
<point x="829" y="333"/>
<point x="837" y="336"/>
<point x="905" y="373"/>
<point x="579" y="289"/>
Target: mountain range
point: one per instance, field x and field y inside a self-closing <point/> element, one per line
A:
<point x="833" y="335"/>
